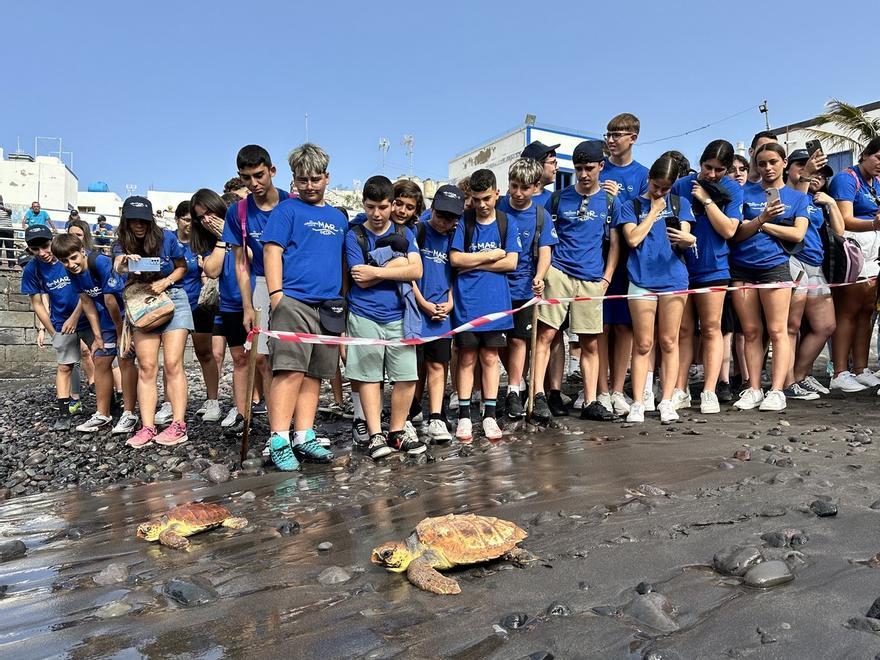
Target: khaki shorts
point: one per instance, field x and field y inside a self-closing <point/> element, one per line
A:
<point x="586" y="316"/>
<point x="314" y="360"/>
<point x="369" y="364"/>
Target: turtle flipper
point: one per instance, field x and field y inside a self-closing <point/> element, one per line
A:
<point x="520" y="557"/>
<point x="422" y="574"/>
<point x="235" y="523"/>
<point x="172" y="539"/>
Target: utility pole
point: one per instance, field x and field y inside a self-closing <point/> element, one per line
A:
<point x="408" y="141"/>
<point x="307" y="127"/>
<point x="763" y="109"/>
<point x="384" y="144"/>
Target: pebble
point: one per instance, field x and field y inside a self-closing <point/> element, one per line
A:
<point x="864" y="623"/>
<point x="875" y="505"/>
<point x="5" y="494"/>
<point x="248" y="496"/>
<point x="217" y="473"/>
<point x="773" y="511"/>
<point x="743" y="455"/>
<point x="252" y="464"/>
<point x="736" y="560"/>
<point x="287" y="527"/>
<point x="324" y="546"/>
<point x="36" y="458"/>
<point x="775" y="432"/>
<point x="333" y="575"/>
<point x="724" y="465"/>
<point x="823" y="508"/>
<point x="874" y="611"/>
<point x="558" y="609"/>
<point x="653" y="610"/>
<point x="644" y="588"/>
<point x="514" y="620"/>
<point x="660" y="654"/>
<point x="190" y="591"/>
<point x="768" y="574"/>
<point x="114" y="609"/>
<point x="112" y="574"/>
<point x="10" y="550"/>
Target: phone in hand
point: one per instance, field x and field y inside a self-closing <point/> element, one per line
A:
<point x="813" y="146"/>
<point x="673" y="223"/>
<point x="145" y="265"/>
<point x="772" y="196"/>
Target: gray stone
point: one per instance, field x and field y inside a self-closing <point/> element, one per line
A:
<point x="36" y="458"/>
<point x="252" y="464"/>
<point x="217" y="473"/>
<point x="190" y="591"/>
<point x="768" y="574"/>
<point x="333" y="575"/>
<point x="736" y="560"/>
<point x="823" y="508"/>
<point x="112" y="574"/>
<point x="558" y="609"/>
<point x="874" y="611"/>
<point x="324" y="546"/>
<point x="112" y="610"/>
<point x="865" y="624"/>
<point x="10" y="550"/>
<point x="653" y="610"/>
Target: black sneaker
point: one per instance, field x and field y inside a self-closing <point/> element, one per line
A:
<point x="513" y="405"/>
<point x="557" y="408"/>
<point x="359" y="433"/>
<point x="259" y="408"/>
<point x="408" y="444"/>
<point x="596" y="412"/>
<point x="540" y="409"/>
<point x="378" y="447"/>
<point x="723" y="392"/>
<point x="237" y="428"/>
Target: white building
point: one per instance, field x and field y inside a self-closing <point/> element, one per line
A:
<point x="498" y="153"/>
<point x="795" y="136"/>
<point x="92" y="204"/>
<point x="44" y="179"/>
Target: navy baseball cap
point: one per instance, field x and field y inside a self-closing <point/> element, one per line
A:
<point x="802" y="156"/>
<point x="538" y="151"/>
<point x="138" y="208"/>
<point x="589" y="151"/>
<point x="36" y="233"/>
<point x="449" y="199"/>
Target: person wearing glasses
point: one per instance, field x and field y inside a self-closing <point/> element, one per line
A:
<point x="546" y="156"/>
<point x="739" y="170"/>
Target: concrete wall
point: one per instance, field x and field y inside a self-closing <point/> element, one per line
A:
<point x="20" y="357"/>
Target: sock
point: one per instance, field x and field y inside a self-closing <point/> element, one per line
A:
<point x="649" y="381"/>
<point x="63" y="406"/>
<point x="435" y="416"/>
<point x="283" y="434"/>
<point x="394" y="437"/>
<point x="489" y="408"/>
<point x="555" y="394"/>
<point x="464" y="408"/>
<point x="523" y="387"/>
<point x="299" y="437"/>
<point x="358" y="409"/>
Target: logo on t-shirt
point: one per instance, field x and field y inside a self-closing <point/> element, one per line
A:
<point x="57" y="284"/>
<point x="484" y="247"/>
<point x="323" y="228"/>
<point x="438" y="257"/>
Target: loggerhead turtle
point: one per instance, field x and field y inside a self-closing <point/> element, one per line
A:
<point x="172" y="527"/>
<point x="450" y="541"/>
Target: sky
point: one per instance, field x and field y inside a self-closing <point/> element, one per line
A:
<point x="163" y="94"/>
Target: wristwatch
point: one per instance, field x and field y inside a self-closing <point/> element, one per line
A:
<point x="709" y="202"/>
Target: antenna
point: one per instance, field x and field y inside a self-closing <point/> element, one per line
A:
<point x="307" y="127"/>
<point x="130" y="189"/>
<point x="763" y="110"/>
<point x="408" y="141"/>
<point x="356" y="184"/>
<point x="384" y="144"/>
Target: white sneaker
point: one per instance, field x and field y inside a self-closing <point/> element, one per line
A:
<point x="636" y="413"/>
<point x="436" y="431"/>
<point x="709" y="403"/>
<point x="606" y="402"/>
<point x="465" y="430"/>
<point x="868" y="379"/>
<point x="774" y="401"/>
<point x="811" y="383"/>
<point x="201" y="411"/>
<point x="619" y="404"/>
<point x="453" y="401"/>
<point x="230" y="418"/>
<point x="648" y="400"/>
<point x="126" y="424"/>
<point x="667" y="412"/>
<point x="490" y="429"/>
<point x="749" y="399"/>
<point x="846" y="382"/>
<point x="212" y="411"/>
<point x="410" y="431"/>
<point x="94" y="423"/>
<point x="164" y="414"/>
<point x="681" y="399"/>
<point x="579" y="402"/>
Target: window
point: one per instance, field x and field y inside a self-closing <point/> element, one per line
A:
<point x="840" y="160"/>
<point x="85" y="209"/>
<point x="563" y="179"/>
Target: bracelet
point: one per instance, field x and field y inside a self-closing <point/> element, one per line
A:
<point x="272" y="293"/>
<point x="220" y="244"/>
<point x="606" y="280"/>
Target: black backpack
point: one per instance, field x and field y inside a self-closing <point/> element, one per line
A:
<point x="470" y="226"/>
<point x="92" y="262"/>
<point x="606" y="234"/>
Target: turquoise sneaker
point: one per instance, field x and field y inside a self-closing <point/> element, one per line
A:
<point x="75" y="407"/>
<point x="311" y="450"/>
<point x="281" y="454"/>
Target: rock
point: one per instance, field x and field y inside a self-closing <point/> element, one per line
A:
<point x="644" y="588"/>
<point x="324" y="546"/>
<point x="783" y="422"/>
<point x="75" y="533"/>
<point x="287" y="527"/>
<point x="775" y="539"/>
<point x="736" y="560"/>
<point x="333" y="575"/>
<point x="865" y="624"/>
<point x="823" y="508"/>
<point x="653" y="610"/>
<point x="217" y="473"/>
<point x="775" y="432"/>
<point x="112" y="574"/>
<point x="114" y="609"/>
<point x="252" y="464"/>
<point x="5" y="494"/>
<point x="409" y="493"/>
<point x="743" y="455"/>
<point x="558" y="609"/>
<point x="875" y="505"/>
<point x="248" y="496"/>
<point x="768" y="574"/>
<point x="874" y="611"/>
<point x="514" y="620"/>
<point x="190" y="591"/>
<point x="660" y="654"/>
<point x="725" y="466"/>
<point x="36" y="458"/>
<point x="200" y="464"/>
<point x="10" y="550"/>
<point x="772" y="511"/>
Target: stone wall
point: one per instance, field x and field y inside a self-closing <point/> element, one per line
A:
<point x="20" y="357"/>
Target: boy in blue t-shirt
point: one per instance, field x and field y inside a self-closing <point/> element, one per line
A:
<point x="302" y="245"/>
<point x="434" y="297"/>
<point x="44" y="275"/>
<point x="545" y="156"/>
<point x="376" y="309"/>
<point x="483" y="252"/>
<point x="527" y="281"/>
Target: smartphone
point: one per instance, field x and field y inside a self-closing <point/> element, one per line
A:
<point x="673" y="223"/>
<point x="772" y="195"/>
<point x="144" y="265"/>
<point x="813" y="146"/>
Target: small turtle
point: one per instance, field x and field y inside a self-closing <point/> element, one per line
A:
<point x="172" y="527"/>
<point x="447" y="542"/>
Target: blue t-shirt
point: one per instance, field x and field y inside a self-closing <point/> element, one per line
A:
<point x="762" y="251"/>
<point x="192" y="281"/>
<point x="105" y="282"/>
<point x="850" y="186"/>
<point x="542" y="198"/>
<point x="479" y="292"/>
<point x="54" y="280"/>
<point x="436" y="277"/>
<point x="312" y="238"/>
<point x="654" y="265"/>
<point x="40" y="218"/>
<point x="257" y="220"/>
<point x="580" y="234"/>
<point x="359" y="219"/>
<point x="526" y="224"/>
<point x="813" y="251"/>
<point x="633" y="179"/>
<point x="709" y="262"/>
<point x="227" y="284"/>
<point x="381" y="302"/>
<point x="171" y="249"/>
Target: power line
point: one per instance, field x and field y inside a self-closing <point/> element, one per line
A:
<point x="694" y="130"/>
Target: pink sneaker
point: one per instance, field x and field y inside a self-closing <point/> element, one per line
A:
<point x="142" y="438"/>
<point x="173" y="435"/>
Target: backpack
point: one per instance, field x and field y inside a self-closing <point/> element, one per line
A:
<point x="241" y="209"/>
<point x="420" y="236"/>
<point x="470" y="226"/>
<point x="92" y="263"/>
<point x="842" y="257"/>
<point x="361" y="235"/>
<point x="606" y="234"/>
<point x="873" y="189"/>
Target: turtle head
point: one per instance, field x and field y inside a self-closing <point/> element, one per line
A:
<point x="394" y="556"/>
<point x="149" y="530"/>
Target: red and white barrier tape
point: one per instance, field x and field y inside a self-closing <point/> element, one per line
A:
<point x="333" y="340"/>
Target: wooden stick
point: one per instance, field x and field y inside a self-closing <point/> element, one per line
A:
<point x="533" y="343"/>
<point x="249" y="396"/>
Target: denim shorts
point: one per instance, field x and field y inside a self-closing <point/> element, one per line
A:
<point x="182" y="319"/>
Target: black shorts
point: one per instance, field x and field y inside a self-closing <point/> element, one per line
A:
<point x="729" y="319"/>
<point x="489" y="339"/>
<point x="522" y="322"/>
<point x="780" y="273"/>
<point x="439" y="351"/>
<point x="231" y="326"/>
<point x="203" y="320"/>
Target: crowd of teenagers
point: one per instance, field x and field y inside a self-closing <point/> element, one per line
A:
<point x="400" y="270"/>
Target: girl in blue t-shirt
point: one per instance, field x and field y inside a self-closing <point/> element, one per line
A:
<point x="816" y="302"/>
<point x="772" y="214"/>
<point x="857" y="193"/>
<point x="140" y="237"/>
<point x="654" y="235"/>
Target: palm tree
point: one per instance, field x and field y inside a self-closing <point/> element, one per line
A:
<point x="852" y="128"/>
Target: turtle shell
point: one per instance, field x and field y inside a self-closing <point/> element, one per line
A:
<point x="469" y="539"/>
<point x="198" y="515"/>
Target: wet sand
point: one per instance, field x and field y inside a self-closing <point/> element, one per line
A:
<point x="576" y="491"/>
